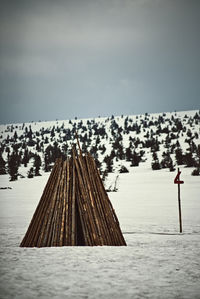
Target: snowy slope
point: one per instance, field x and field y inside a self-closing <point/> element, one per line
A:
<point x="158" y="261"/>
<point x="136" y="132"/>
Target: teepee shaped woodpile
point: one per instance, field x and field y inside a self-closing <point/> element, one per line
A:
<point x="74" y="209"/>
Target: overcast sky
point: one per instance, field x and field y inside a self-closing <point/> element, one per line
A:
<point x="61" y="59"/>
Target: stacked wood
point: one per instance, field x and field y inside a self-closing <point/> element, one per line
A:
<point x="74" y="209"/>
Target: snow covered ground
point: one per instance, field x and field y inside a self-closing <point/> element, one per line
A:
<point x="158" y="262"/>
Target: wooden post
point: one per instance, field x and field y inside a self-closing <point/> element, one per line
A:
<point x="178" y="182"/>
<point x="179" y="208"/>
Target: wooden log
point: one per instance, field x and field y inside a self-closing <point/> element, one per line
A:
<point x="102" y="234"/>
<point x="90" y="203"/>
<point x="32" y="224"/>
<point x="66" y="239"/>
<point x="69" y="223"/>
<point x="31" y="235"/>
<point x="63" y="219"/>
<point x="58" y="210"/>
<point x="85" y="238"/>
<point x="113" y="221"/>
<point x="73" y="232"/>
<point x="46" y="229"/>
<point x="61" y="206"/>
<point x="93" y="206"/>
<point x="85" y="212"/>
<point x="104" y="206"/>
<point x="105" y="236"/>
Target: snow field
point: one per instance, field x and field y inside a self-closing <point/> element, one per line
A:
<point x="157" y="263"/>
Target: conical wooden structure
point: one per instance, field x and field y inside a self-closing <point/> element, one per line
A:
<point x="74" y="209"/>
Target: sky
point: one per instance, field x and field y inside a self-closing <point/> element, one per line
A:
<point x="88" y="58"/>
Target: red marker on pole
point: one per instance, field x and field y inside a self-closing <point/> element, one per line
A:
<point x="178" y="182"/>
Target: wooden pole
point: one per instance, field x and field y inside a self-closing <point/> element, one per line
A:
<point x="179" y="207"/>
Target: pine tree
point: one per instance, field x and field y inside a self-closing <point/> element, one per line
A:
<point x="98" y="165"/>
<point x="13" y="166"/>
<point x="29" y="133"/>
<point x="2" y="165"/>
<point x="25" y="158"/>
<point x="37" y="164"/>
<point x="53" y="132"/>
<point x="171" y="166"/>
<point x="189" y="160"/>
<point x="38" y="148"/>
<point x="15" y="136"/>
<point x="179" y="156"/>
<point x="30" y="173"/>
<point x="198" y="156"/>
<point x="155" y="164"/>
<point x="120" y="152"/>
<point x="167" y="161"/>
<point x="104" y="175"/>
<point x="123" y="169"/>
<point x="196" y="172"/>
<point x="47" y="166"/>
<point x="103" y="149"/>
<point x="56" y="152"/>
<point x="109" y="163"/>
<point x="135" y="159"/>
<point x="128" y="154"/>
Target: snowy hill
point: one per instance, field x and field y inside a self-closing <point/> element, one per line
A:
<point x="158" y="261"/>
<point x="152" y="140"/>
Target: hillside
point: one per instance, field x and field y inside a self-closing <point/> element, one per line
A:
<point x="117" y="143"/>
<point x="158" y="261"/>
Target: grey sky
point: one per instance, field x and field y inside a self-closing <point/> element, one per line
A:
<point x="61" y="59"/>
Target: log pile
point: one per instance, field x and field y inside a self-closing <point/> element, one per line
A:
<point x="74" y="209"/>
